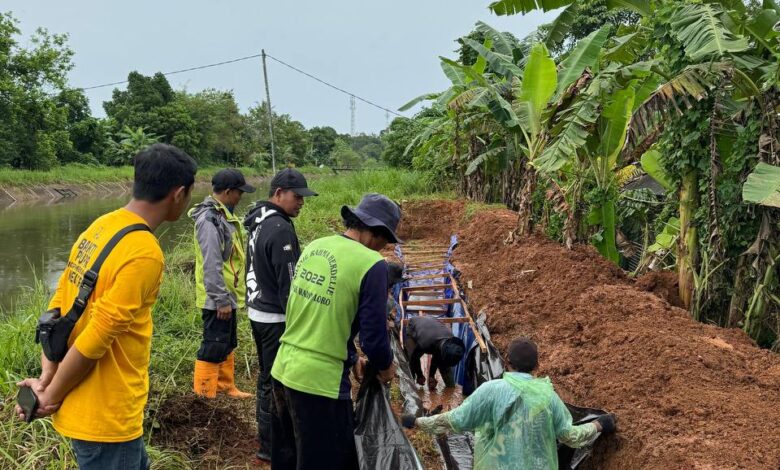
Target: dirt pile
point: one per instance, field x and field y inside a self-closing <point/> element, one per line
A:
<point x="211" y="432"/>
<point x="687" y="395"/>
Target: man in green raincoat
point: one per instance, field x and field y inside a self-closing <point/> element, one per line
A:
<point x="517" y="419"/>
<point x="219" y="282"/>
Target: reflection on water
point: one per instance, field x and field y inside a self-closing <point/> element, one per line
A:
<point x="35" y="240"/>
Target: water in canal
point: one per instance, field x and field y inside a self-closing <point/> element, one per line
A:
<point x="37" y="238"/>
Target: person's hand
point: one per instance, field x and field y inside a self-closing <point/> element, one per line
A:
<point x="224" y="313"/>
<point x="606" y="424"/>
<point x="359" y="369"/>
<point x="408" y="421"/>
<point x="46" y="403"/>
<point x="385" y="376"/>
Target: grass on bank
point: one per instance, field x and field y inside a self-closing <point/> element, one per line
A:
<point x="177" y="327"/>
<point x="75" y="173"/>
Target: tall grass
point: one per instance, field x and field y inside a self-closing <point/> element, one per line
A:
<point x="177" y="327"/>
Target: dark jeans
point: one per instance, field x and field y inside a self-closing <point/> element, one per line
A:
<point x="416" y="367"/>
<point x="266" y="337"/>
<point x="220" y="337"/>
<point x="129" y="455"/>
<point x="311" y="432"/>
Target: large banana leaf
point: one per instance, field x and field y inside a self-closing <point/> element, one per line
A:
<point x="503" y="43"/>
<point x="499" y="63"/>
<point x="410" y="104"/>
<point x="640" y="6"/>
<point x="615" y="119"/>
<point x="485" y="156"/>
<point x="763" y="186"/>
<point x="603" y="214"/>
<point x="700" y="30"/>
<point x="455" y="72"/>
<point x="511" y="7"/>
<point x="539" y="83"/>
<point x="584" y="55"/>
<point x="651" y="163"/>
<point x="628" y="46"/>
<point x="561" y="26"/>
<point x="569" y="135"/>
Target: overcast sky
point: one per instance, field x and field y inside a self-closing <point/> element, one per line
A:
<point x="386" y="52"/>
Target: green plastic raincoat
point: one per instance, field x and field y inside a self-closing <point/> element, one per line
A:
<point x="516" y="421"/>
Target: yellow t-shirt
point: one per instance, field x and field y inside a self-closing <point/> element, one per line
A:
<point x="116" y="329"/>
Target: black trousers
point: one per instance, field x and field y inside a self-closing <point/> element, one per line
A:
<point x="311" y="432"/>
<point x="266" y="337"/>
<point x="220" y="337"/>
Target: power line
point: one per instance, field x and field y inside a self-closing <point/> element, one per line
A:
<point x="217" y="64"/>
<point x="255" y="56"/>
<point x="333" y="86"/>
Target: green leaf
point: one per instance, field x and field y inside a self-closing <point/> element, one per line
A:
<point x="410" y="104"/>
<point x="485" y="156"/>
<point x="539" y="82"/>
<point x="561" y="26"/>
<point x="584" y="55"/>
<point x="503" y="43"/>
<point x="455" y="72"/>
<point x="569" y="135"/>
<point x="700" y="30"/>
<point x="651" y="163"/>
<point x="511" y="7"/>
<point x="640" y="6"/>
<point x="480" y="65"/>
<point x="763" y="186"/>
<point x="500" y="63"/>
<point x="628" y="47"/>
<point x="616" y="117"/>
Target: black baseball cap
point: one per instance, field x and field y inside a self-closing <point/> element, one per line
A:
<point x="230" y="178"/>
<point x="293" y="180"/>
<point x="377" y="210"/>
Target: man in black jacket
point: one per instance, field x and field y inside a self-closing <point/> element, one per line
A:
<point x="427" y="335"/>
<point x="272" y="254"/>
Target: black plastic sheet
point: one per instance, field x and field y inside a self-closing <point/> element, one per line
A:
<point x="380" y="441"/>
<point x="408" y="387"/>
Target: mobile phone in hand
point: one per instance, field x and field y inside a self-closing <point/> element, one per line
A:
<point x="28" y="402"/>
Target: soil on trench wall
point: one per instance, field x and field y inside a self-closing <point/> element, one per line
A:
<point x="687" y="395"/>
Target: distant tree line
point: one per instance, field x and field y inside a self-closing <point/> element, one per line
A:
<point x="45" y="122"/>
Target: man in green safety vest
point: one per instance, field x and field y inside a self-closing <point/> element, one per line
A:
<point x="339" y="290"/>
<point x="219" y="282"/>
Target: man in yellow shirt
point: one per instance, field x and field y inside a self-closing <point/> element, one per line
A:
<point x="98" y="392"/>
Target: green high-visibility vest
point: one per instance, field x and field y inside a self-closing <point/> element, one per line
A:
<point x="323" y="303"/>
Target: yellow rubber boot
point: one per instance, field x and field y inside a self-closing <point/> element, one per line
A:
<point x="205" y="379"/>
<point x="227" y="381"/>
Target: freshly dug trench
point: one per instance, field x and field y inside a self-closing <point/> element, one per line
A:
<point x="688" y="395"/>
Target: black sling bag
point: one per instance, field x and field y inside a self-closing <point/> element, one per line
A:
<point x="54" y="329"/>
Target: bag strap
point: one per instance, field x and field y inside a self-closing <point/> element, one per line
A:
<point x="90" y="278"/>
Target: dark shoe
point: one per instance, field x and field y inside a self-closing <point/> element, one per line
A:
<point x="260" y="455"/>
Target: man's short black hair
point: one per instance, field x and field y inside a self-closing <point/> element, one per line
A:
<point x="159" y="169"/>
<point x="523" y="355"/>
<point x="352" y="222"/>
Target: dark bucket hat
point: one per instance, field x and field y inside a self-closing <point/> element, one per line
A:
<point x="377" y="210"/>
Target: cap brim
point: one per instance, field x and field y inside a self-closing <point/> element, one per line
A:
<point x="305" y="192"/>
<point x="247" y="188"/>
<point x="371" y="221"/>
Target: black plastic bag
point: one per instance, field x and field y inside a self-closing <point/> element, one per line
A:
<point x="380" y="441"/>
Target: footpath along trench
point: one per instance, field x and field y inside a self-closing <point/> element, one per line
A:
<point x="687" y="395"/>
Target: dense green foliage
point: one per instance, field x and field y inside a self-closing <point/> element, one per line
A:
<point x="44" y="122"/>
<point x="629" y="124"/>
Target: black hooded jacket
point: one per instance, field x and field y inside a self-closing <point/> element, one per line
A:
<point x="271" y="256"/>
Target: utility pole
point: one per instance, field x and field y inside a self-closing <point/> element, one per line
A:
<point x="352" y="111"/>
<point x="270" y="114"/>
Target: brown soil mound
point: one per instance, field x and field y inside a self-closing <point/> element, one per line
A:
<point x="664" y="284"/>
<point x="687" y="395"/>
<point x="430" y="219"/>
<point x="210" y="432"/>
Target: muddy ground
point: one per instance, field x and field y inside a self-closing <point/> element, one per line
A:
<point x="687" y="395"/>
